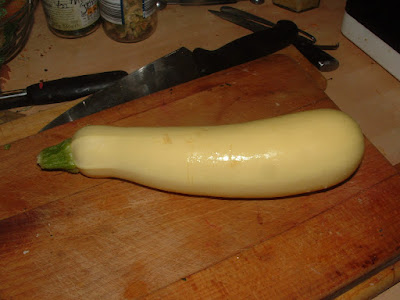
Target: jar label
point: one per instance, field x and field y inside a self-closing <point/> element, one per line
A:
<point x="71" y="15"/>
<point x="112" y="11"/>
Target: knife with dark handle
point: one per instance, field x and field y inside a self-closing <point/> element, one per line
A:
<point x="59" y="90"/>
<point x="319" y="58"/>
<point x="180" y="66"/>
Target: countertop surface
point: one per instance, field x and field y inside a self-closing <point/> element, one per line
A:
<point x="360" y="86"/>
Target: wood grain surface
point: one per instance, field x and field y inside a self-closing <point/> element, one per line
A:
<point x="66" y="236"/>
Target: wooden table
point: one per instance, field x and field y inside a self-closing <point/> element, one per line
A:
<point x="359" y="87"/>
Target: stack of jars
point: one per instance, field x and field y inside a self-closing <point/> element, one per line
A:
<point x="123" y="21"/>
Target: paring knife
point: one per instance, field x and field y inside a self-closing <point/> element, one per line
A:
<point x="319" y="58"/>
<point x="181" y="66"/>
<point x="59" y="90"/>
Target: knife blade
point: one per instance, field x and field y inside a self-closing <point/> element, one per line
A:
<point x="181" y="66"/>
<point x="59" y="90"/>
<point x="319" y="58"/>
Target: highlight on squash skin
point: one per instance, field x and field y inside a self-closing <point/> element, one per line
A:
<point x="281" y="156"/>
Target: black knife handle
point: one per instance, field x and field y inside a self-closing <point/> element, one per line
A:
<point x="247" y="48"/>
<point x="70" y="88"/>
<point x="319" y="58"/>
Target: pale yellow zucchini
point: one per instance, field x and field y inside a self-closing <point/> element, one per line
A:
<point x="286" y="155"/>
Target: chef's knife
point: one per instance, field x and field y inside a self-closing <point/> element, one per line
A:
<point x="319" y="58"/>
<point x="182" y="66"/>
<point x="59" y="90"/>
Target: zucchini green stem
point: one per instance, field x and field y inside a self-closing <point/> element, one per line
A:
<point x="58" y="157"/>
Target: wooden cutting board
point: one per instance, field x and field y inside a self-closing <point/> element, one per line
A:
<point x="65" y="236"/>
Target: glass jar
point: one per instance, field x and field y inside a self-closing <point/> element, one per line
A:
<point x="72" y="18"/>
<point x="129" y="21"/>
<point x="16" y="19"/>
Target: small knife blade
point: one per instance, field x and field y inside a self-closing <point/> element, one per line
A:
<point x="182" y="66"/>
<point x="59" y="90"/>
<point x="319" y="58"/>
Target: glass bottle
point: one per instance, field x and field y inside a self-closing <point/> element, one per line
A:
<point x="72" y="18"/>
<point x="129" y="21"/>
